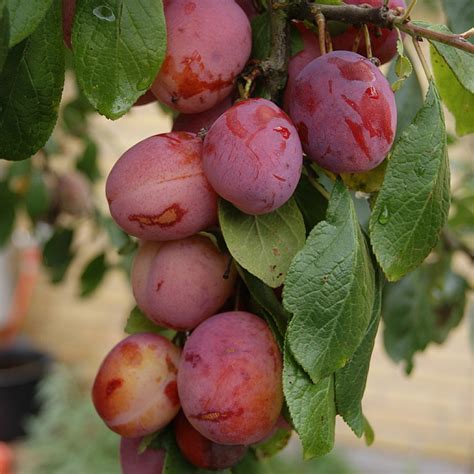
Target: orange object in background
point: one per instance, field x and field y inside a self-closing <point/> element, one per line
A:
<point x="6" y="459"/>
<point x="29" y="260"/>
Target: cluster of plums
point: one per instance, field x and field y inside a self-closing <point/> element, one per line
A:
<point x="223" y="388"/>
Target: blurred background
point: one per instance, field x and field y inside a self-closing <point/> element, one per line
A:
<point x="65" y="298"/>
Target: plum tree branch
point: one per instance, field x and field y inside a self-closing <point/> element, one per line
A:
<point x="382" y="17"/>
<point x="276" y="65"/>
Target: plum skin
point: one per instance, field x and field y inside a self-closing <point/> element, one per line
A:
<point x="384" y="45"/>
<point x="135" y="389"/>
<point x="297" y="62"/>
<point x="205" y="53"/>
<point x="252" y="156"/>
<point x="345" y="112"/>
<point x="196" y="122"/>
<point x="229" y="380"/>
<point x="178" y="284"/>
<point x="202" y="452"/>
<point x="151" y="461"/>
<point x="157" y="190"/>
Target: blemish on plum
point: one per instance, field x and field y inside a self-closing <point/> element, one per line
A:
<point x="216" y="416"/>
<point x="131" y="353"/>
<point x="234" y="124"/>
<point x="279" y="178"/>
<point x="193" y="358"/>
<point x="284" y="132"/>
<point x="159" y="285"/>
<point x="189" y="8"/>
<point x="168" y="218"/>
<point x="112" y="386"/>
<point x="171" y="391"/>
<point x="170" y="365"/>
<point x="372" y="92"/>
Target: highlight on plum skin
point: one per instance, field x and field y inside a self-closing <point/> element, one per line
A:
<point x="205" y="53"/>
<point x="179" y="284"/>
<point x="135" y="389"/>
<point x="151" y="461"/>
<point x="345" y="112"/>
<point x="252" y="156"/>
<point x="297" y="62"/>
<point x="202" y="452"/>
<point x="229" y="380"/>
<point x="157" y="190"/>
<point x="383" y="41"/>
<point x="196" y="122"/>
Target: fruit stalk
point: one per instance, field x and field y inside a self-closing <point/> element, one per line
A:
<point x="382" y="17"/>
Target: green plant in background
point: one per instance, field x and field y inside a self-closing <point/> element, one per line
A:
<point x="349" y="251"/>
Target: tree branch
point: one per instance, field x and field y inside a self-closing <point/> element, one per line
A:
<point x="382" y="17"/>
<point x="276" y="65"/>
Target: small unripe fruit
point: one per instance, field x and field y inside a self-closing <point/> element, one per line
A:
<point x="252" y="156"/>
<point x="135" y="390"/>
<point x="74" y="194"/>
<point x="229" y="380"/>
<point x="209" y="42"/>
<point x="181" y="283"/>
<point x="157" y="189"/>
<point x="345" y="112"/>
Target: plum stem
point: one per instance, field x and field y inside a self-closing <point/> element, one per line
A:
<point x="422" y="58"/>
<point x="329" y="48"/>
<point x="368" y="44"/>
<point x="409" y="10"/>
<point x="382" y="17"/>
<point x="321" y="22"/>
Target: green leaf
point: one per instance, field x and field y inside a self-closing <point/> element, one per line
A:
<point x="137" y="322"/>
<point x="311" y="202"/>
<point x="4" y="32"/>
<point x="311" y="407"/>
<point x="330" y="290"/>
<point x="25" y="16"/>
<point x="350" y="381"/>
<point x="460" y="15"/>
<point x="37" y="198"/>
<point x="296" y="40"/>
<point x="412" y="206"/>
<point x="119" y="47"/>
<point x="458" y="100"/>
<point x="261" y="36"/>
<point x="8" y="202"/>
<point x="93" y="274"/>
<point x="409" y="99"/>
<point x="460" y="62"/>
<point x="272" y="446"/>
<point x="87" y="161"/>
<point x="266" y="299"/>
<point x="32" y="82"/>
<point x="263" y="245"/>
<point x="422" y="308"/>
<point x="403" y="70"/>
<point x="57" y="253"/>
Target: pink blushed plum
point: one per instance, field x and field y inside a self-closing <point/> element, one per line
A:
<point x="135" y="390"/>
<point x="151" y="461"/>
<point x="229" y="380"/>
<point x="345" y="112"/>
<point x="202" y="452"/>
<point x="157" y="190"/>
<point x="209" y="42"/>
<point x="252" y="156"/>
<point x="383" y="41"/>
<point x="178" y="284"/>
<point x="297" y="62"/>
